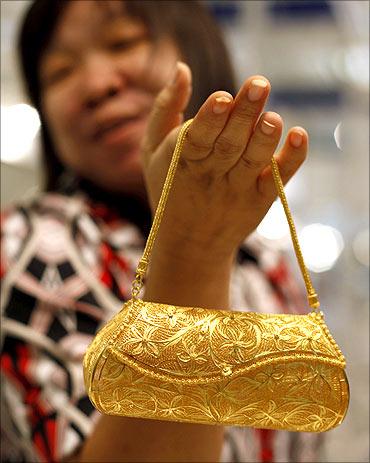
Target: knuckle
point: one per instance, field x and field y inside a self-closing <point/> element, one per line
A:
<point x="290" y="168"/>
<point x="253" y="164"/>
<point x="226" y="147"/>
<point x="297" y="160"/>
<point x="162" y="100"/>
<point x="262" y="142"/>
<point x="208" y="125"/>
<point x="245" y="112"/>
<point x="198" y="146"/>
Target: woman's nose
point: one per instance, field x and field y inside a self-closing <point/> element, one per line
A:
<point x="100" y="81"/>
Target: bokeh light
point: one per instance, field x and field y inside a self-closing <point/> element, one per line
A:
<point x="274" y="226"/>
<point x="338" y="135"/>
<point x="360" y="247"/>
<point x="19" y="126"/>
<point x="321" y="246"/>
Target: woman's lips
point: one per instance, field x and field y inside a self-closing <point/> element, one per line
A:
<point x="122" y="132"/>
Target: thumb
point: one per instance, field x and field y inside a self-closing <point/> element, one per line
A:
<point x="167" y="112"/>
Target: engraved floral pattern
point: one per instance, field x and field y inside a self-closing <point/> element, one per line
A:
<point x="192" y="356"/>
<point x="237" y="368"/>
<point x="310" y="340"/>
<point x="142" y="342"/>
<point x="235" y="401"/>
<point x="269" y="377"/>
<point x="278" y="338"/>
<point x="171" y="316"/>
<point x="239" y="345"/>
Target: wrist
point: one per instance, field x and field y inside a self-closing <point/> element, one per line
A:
<point x="188" y="248"/>
<point x="189" y="277"/>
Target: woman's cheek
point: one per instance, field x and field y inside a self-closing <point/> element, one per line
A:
<point x="61" y="113"/>
<point x="151" y="69"/>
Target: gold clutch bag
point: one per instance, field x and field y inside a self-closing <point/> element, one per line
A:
<point x="196" y="365"/>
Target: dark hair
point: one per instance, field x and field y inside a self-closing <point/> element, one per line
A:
<point x="188" y="22"/>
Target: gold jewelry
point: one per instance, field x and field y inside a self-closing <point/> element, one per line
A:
<point x="196" y="365"/>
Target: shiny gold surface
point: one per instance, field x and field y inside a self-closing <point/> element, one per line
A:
<point x="218" y="367"/>
<point x="196" y="365"/>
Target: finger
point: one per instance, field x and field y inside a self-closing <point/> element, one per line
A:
<point x="260" y="149"/>
<point x="289" y="159"/>
<point x="168" y="109"/>
<point x="207" y="125"/>
<point x="248" y="105"/>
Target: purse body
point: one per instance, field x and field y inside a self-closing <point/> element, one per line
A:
<point x="197" y="365"/>
<point x="165" y="362"/>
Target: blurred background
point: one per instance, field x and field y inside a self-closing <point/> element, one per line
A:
<point x="316" y="56"/>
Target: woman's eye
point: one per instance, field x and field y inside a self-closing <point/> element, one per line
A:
<point x="58" y="74"/>
<point x="124" y="44"/>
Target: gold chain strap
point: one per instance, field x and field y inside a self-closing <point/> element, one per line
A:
<point x="144" y="261"/>
<point x="313" y="299"/>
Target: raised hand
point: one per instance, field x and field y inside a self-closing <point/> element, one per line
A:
<point x="223" y="185"/>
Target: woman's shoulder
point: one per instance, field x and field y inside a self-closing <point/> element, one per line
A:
<point x="40" y="220"/>
<point x="53" y="226"/>
<point x="41" y="212"/>
<point x="42" y="205"/>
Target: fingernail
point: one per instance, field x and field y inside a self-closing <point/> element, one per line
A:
<point x="296" y="139"/>
<point x="256" y="89"/>
<point x="221" y="104"/>
<point x="267" y="128"/>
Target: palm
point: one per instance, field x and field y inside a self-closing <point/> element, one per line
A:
<point x="223" y="185"/>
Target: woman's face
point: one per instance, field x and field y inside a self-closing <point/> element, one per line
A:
<point x="99" y="77"/>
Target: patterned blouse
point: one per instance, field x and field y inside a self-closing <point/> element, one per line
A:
<point x="67" y="266"/>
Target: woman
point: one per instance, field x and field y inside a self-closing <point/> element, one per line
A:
<point x="111" y="98"/>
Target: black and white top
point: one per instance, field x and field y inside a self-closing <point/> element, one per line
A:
<point x="67" y="267"/>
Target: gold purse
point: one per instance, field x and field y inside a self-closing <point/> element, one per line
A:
<point x="196" y="365"/>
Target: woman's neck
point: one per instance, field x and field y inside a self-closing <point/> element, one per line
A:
<point x="131" y="206"/>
